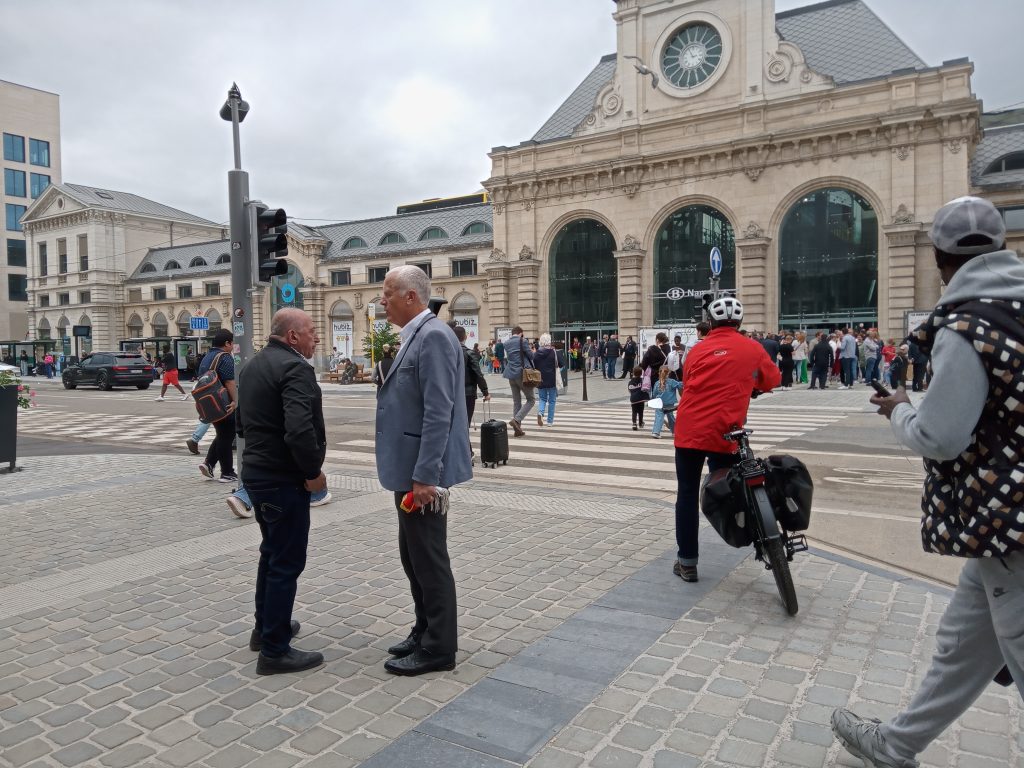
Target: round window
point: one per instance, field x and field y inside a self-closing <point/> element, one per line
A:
<point x="692" y="55"/>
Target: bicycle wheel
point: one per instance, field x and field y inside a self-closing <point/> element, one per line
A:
<point x="775" y="552"/>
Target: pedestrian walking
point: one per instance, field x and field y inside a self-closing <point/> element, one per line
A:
<point x="629" y="353"/>
<point x="422" y="450"/>
<point x="197" y="434"/>
<point x="970" y="430"/>
<point x="517" y="357"/>
<point x="548" y="361"/>
<point x="474" y="376"/>
<point x="170" y="377"/>
<point x="638" y="397"/>
<point x="667" y="390"/>
<point x="220" y="360"/>
<point x="499" y="357"/>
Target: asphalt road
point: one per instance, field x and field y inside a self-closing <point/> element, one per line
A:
<point x="867" y="487"/>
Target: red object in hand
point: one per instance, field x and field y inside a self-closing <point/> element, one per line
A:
<point x="409" y="503"/>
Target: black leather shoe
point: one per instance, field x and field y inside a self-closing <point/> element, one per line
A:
<point x="419" y="662"/>
<point x="407" y="646"/>
<point x="256" y="642"/>
<point x="293" y="661"/>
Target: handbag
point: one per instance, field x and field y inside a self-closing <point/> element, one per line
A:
<point x="655" y="403"/>
<point x="531" y="376"/>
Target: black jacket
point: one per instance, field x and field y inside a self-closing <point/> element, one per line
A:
<point x="654" y="358"/>
<point x="612" y="349"/>
<point x="821" y="355"/>
<point x="548" y="360"/>
<point x="474" y="376"/>
<point x="281" y="417"/>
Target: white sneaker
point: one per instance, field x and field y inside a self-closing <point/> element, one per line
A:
<point x="843" y="386"/>
<point x="186" y="396"/>
<point x="237" y="506"/>
<point x="160" y="399"/>
<point x="319" y="502"/>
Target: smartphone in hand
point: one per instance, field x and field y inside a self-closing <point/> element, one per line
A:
<point x="881" y="390"/>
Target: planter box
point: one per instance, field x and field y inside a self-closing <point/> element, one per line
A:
<point x="9" y="425"/>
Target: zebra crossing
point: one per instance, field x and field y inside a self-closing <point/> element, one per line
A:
<point x="595" y="447"/>
<point x="152" y="429"/>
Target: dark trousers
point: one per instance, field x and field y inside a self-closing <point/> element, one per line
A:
<point x="470" y="407"/>
<point x="282" y="512"/>
<point x="638" y="413"/>
<point x="917" y="377"/>
<point x="848" y="367"/>
<point x="819" y="376"/>
<point x="220" y="449"/>
<point x="689" y="463"/>
<point x="627" y="367"/>
<point x="423" y="547"/>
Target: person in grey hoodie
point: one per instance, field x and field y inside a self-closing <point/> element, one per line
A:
<point x="970" y="429"/>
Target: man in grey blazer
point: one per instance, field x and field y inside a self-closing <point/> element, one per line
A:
<point x="422" y="447"/>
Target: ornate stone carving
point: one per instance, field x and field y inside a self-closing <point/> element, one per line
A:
<point x="526" y="254"/>
<point x="779" y="67"/>
<point x="527" y="205"/>
<point x="902" y="152"/>
<point x="754" y="173"/>
<point x="499" y="208"/>
<point x="197" y="310"/>
<point x="806" y="76"/>
<point x="483" y="290"/>
<point x="439" y="290"/>
<point x="753" y="231"/>
<point x="630" y="243"/>
<point x="145" y="314"/>
<point x="903" y="215"/>
<point x="357" y="299"/>
<point x="224" y="309"/>
<point x="626" y="261"/>
<point x="497" y="255"/>
<point x="630" y="190"/>
<point x="954" y="145"/>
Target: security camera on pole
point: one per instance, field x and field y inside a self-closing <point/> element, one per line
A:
<point x="234" y="111"/>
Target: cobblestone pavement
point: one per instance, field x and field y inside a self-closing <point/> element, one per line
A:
<point x="125" y="608"/>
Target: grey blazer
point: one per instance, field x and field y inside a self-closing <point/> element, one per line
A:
<point x="422" y="426"/>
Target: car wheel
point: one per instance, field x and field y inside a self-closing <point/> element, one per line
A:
<point x="103" y="381"/>
<point x="68" y="384"/>
<point x="142" y="386"/>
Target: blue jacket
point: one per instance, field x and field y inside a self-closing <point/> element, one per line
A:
<point x="514" y="357"/>
<point x="422" y="425"/>
<point x="670" y="395"/>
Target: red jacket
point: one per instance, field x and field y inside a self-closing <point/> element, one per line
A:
<point x="718" y="376"/>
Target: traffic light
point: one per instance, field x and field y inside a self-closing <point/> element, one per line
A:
<point x="271" y="243"/>
<point x="705" y="302"/>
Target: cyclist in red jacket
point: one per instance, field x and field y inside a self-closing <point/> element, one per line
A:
<point x="719" y="376"/>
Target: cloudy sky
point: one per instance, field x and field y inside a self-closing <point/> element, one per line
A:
<point x="357" y="107"/>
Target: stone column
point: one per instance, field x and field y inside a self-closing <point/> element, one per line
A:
<point x="313" y="302"/>
<point x="629" y="263"/>
<point x="752" y="275"/>
<point x="896" y="278"/>
<point x="526" y="274"/>
<point x="498" y="274"/>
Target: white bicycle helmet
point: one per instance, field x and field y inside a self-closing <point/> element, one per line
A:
<point x="726" y="308"/>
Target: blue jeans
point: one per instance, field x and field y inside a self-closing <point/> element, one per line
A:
<point x="609" y="367"/>
<point x="871" y="369"/>
<point x="548" y="396"/>
<point x="849" y="368"/>
<point x="282" y="512"/>
<point x="200" y="431"/>
<point x="243" y="494"/>
<point x="659" y="418"/>
<point x="689" y="463"/>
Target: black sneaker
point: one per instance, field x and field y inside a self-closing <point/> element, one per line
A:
<point x="232" y="478"/>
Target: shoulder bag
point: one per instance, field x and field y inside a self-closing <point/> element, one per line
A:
<point x="531" y="376"/>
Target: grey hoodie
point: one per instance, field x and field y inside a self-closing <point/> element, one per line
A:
<point x="942" y="427"/>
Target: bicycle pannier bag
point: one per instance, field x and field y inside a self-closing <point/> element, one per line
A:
<point x="722" y="501"/>
<point x="211" y="397"/>
<point x="791" y="491"/>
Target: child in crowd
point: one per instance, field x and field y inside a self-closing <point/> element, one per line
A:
<point x="668" y="390"/>
<point x="638" y="397"/>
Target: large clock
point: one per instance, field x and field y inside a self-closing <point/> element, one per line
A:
<point x="692" y="55"/>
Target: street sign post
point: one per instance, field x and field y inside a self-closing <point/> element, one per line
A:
<point x="716" y="262"/>
<point x="199" y="323"/>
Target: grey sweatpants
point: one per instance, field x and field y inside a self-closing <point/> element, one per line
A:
<point x="519" y="410"/>
<point x="981" y="630"/>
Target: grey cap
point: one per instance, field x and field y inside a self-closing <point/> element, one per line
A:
<point x="964" y="217"/>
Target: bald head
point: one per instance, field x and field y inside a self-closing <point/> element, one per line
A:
<point x="288" y="319"/>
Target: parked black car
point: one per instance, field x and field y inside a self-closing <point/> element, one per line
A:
<point x="109" y="369"/>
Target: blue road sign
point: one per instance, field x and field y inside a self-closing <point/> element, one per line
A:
<point x="716" y="262"/>
<point x="199" y="323"/>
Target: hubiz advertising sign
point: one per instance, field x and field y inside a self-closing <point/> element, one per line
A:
<point x="472" y="325"/>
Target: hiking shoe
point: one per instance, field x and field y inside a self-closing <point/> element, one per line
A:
<point x="238" y="507"/>
<point x="232" y="478"/>
<point x="316" y="500"/>
<point x="206" y="471"/>
<point x="192" y="445"/>
<point x="685" y="572"/>
<point x="862" y="739"/>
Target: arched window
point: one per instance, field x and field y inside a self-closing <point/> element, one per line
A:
<point x="1011" y="162"/>
<point x="214" y="317"/>
<point x="183" y="323"/>
<point x="581" y="278"/>
<point x="391" y="238"/>
<point x="85" y="345"/>
<point x="224" y="258"/>
<point x="159" y="323"/>
<point x="285" y="289"/>
<point x="172" y="264"/>
<point x="198" y="261"/>
<point x="682" y="250"/>
<point x="433" y="233"/>
<point x="828" y="261"/>
<point x="342" y="327"/>
<point x="148" y="268"/>
<point x="477" y="228"/>
<point x="354" y="242"/>
<point x="134" y="327"/>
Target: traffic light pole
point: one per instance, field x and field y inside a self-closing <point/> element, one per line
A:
<point x="235" y="109"/>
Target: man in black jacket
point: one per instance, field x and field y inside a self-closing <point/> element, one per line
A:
<point x="281" y="418"/>
<point x="474" y="376"/>
<point x="612" y="350"/>
<point x="629" y="352"/>
<point x="821" y="361"/>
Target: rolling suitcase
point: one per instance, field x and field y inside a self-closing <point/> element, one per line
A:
<point x="493" y="441"/>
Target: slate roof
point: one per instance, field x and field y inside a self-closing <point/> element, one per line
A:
<point x="96" y="197"/>
<point x="846" y="40"/>
<point x="410" y="226"/>
<point x="843" y="39"/>
<point x="579" y="103"/>
<point x="994" y="144"/>
<point x="183" y="254"/>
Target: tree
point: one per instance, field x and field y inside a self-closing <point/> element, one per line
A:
<point x="385" y="334"/>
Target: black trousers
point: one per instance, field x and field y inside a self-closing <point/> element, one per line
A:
<point x="627" y="367"/>
<point x="638" y="413"/>
<point x="282" y="512"/>
<point x="423" y="547"/>
<point x="470" y="407"/>
<point x="819" y="376"/>
<point x="220" y="449"/>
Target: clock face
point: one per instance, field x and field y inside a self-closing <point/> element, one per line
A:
<point x="692" y="55"/>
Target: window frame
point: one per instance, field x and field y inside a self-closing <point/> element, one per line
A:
<point x="62" y="255"/>
<point x="487" y="228"/>
<point x="472" y="261"/>
<point x="184" y="291"/>
<point x="429" y="271"/>
<point x="11" y="156"/>
<point x="83" y="258"/>
<point x="44" y="260"/>
<point x="427" y="234"/>
<point x="33" y="150"/>
<point x="64" y="299"/>
<point x="136" y="298"/>
<point x="14" y="279"/>
<point x="207" y="289"/>
<point x="1017" y="157"/>
<point x="375" y="269"/>
<point x="14" y="224"/>
<point x="44" y="299"/>
<point x="336" y="277"/>
<point x="18" y="262"/>
<point x="147" y="268"/>
<point x="392" y="238"/>
<point x="159" y="293"/>
<point x="85" y="297"/>
<point x="354" y="242"/>
<point x="34" y="189"/>
<point x="12" y="177"/>
<point x="172" y="266"/>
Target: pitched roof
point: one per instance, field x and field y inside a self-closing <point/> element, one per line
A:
<point x="95" y="197"/>
<point x="994" y="144"/>
<point x="410" y="226"/>
<point x="843" y="39"/>
<point x="184" y="254"/>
